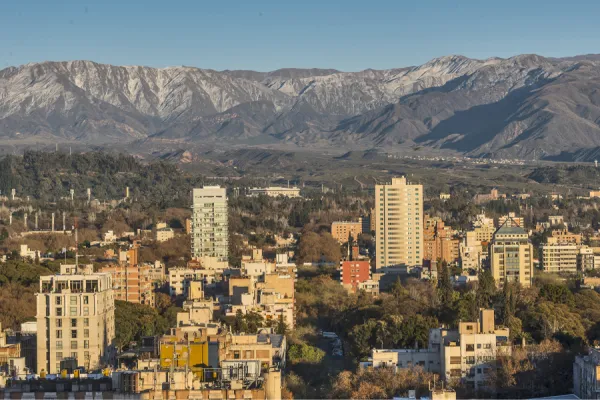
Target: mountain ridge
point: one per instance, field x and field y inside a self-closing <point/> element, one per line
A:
<point x="523" y="106"/>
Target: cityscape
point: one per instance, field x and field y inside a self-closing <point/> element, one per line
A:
<point x="242" y="291"/>
<point x="270" y="200"/>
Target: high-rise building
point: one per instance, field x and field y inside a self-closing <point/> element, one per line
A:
<point x="511" y="256"/>
<point x="399" y="223"/>
<point x="559" y="257"/>
<point x="75" y="319"/>
<point x="209" y="224"/>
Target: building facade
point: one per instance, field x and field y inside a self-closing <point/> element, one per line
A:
<point x="398" y="223"/>
<point x="511" y="256"/>
<point x="559" y="257"/>
<point x="275" y="191"/>
<point x="209" y="224"/>
<point x="75" y="319"/>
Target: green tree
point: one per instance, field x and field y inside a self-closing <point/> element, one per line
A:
<point x="486" y="288"/>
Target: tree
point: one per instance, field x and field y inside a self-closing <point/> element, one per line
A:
<point x="305" y="353"/>
<point x="281" y="327"/>
<point x="486" y="288"/>
<point x="445" y="288"/>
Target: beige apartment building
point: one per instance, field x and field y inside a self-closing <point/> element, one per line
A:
<point x="275" y="191"/>
<point x="511" y="220"/>
<point x="341" y="230"/>
<point x="511" y="256"/>
<point x="559" y="257"/>
<point x="398" y="223"/>
<point x="75" y="319"/>
<point x="209" y="224"/>
<point x="470" y="353"/>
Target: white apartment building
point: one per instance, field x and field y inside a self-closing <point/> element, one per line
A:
<point x="209" y="224"/>
<point x="586" y="259"/>
<point x="75" y="319"/>
<point x="559" y="257"/>
<point x="398" y="223"/>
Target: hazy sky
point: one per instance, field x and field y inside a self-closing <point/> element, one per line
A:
<point x="265" y="35"/>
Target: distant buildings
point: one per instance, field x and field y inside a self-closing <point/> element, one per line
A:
<point x="75" y="319"/>
<point x="134" y="282"/>
<point x="511" y="256"/>
<point x="438" y="241"/>
<point x="484" y="198"/>
<point x="209" y="224"/>
<point x="275" y="191"/>
<point x="398" y="223"/>
<point x="26" y="252"/>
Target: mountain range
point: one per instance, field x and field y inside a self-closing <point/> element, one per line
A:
<point x="527" y="107"/>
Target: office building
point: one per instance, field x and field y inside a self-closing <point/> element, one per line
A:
<point x="511" y="256"/>
<point x="209" y="224"/>
<point x="75" y="319"/>
<point x="398" y="223"/>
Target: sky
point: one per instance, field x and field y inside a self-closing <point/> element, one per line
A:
<point x="264" y="35"/>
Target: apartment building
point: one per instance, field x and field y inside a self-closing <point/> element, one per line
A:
<point x="466" y="354"/>
<point x="75" y="319"/>
<point x="470" y="353"/>
<point x="132" y="283"/>
<point x="271" y="295"/>
<point x="563" y="236"/>
<point x="352" y="273"/>
<point x="586" y="259"/>
<point x="438" y="241"/>
<point x="164" y="234"/>
<point x="209" y="224"/>
<point x="559" y="257"/>
<point x="511" y="256"/>
<point x="586" y="375"/>
<point x="180" y="279"/>
<point x="398" y="223"/>
<point x="342" y="230"/>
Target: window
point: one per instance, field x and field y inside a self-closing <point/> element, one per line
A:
<point x="86" y="300"/>
<point x="72" y="311"/>
<point x="86" y="322"/>
<point x="455" y="360"/>
<point x="58" y="311"/>
<point x="470" y="360"/>
<point x="478" y="345"/>
<point x="59" y="323"/>
<point x="74" y="334"/>
<point x="236" y="354"/>
<point x="86" y="344"/>
<point x="73" y="323"/>
<point x="86" y="311"/>
<point x="86" y="333"/>
<point x="86" y="355"/>
<point x="74" y="355"/>
<point x="59" y="355"/>
<point x="73" y="300"/>
<point x="470" y="347"/>
<point x="58" y="334"/>
<point x="59" y="345"/>
<point x="58" y="300"/>
<point x="73" y="344"/>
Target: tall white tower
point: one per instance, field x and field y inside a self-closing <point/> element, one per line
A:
<point x="210" y="224"/>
